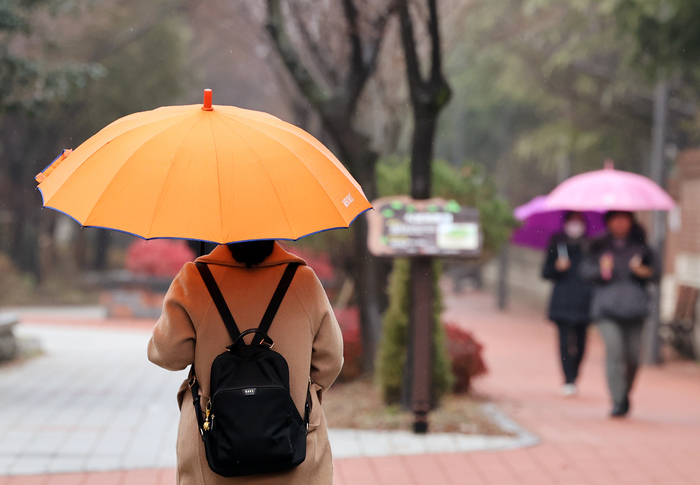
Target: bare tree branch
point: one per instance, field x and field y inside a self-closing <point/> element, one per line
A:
<point x="285" y="47"/>
<point x="428" y="97"/>
<point x="356" y="61"/>
<point x="314" y="48"/>
<point x="436" y="56"/>
<point x="408" y="40"/>
<point x="363" y="58"/>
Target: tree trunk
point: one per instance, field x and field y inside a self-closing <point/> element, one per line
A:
<point x="422" y="153"/>
<point x="337" y="107"/>
<point x="102" y="245"/>
<point x="428" y="97"/>
<point x="355" y="150"/>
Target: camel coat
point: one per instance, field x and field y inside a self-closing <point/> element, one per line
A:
<point x="305" y="332"/>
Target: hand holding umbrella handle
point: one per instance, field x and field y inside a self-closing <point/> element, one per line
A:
<point x="606" y="266"/>
<point x="638" y="269"/>
<point x="562" y="264"/>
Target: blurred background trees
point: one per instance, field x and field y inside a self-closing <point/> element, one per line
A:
<point x="552" y="88"/>
<point x="541" y="89"/>
<point x="84" y="65"/>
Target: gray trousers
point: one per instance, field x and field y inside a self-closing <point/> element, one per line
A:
<point x="623" y="343"/>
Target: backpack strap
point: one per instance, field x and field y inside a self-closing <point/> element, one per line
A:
<point x="277" y="298"/>
<point x="219" y="301"/>
<point x="230" y="324"/>
<point x="194" y="387"/>
<point x="232" y="328"/>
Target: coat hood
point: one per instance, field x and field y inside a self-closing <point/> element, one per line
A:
<point x="222" y="256"/>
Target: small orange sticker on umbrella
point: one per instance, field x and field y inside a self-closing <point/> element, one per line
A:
<point x="52" y="166"/>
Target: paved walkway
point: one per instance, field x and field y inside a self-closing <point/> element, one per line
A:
<point x="579" y="444"/>
<point x="658" y="444"/>
<point x="91" y="402"/>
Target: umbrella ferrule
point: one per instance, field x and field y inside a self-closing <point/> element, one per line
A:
<point x="207" y="101"/>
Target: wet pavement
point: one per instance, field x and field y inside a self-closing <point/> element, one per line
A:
<point x="91" y="402"/>
<point x="92" y="409"/>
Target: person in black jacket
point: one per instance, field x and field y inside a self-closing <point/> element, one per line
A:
<point x="569" y="307"/>
<point x="619" y="266"/>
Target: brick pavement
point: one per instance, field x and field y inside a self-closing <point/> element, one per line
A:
<point x="658" y="444"/>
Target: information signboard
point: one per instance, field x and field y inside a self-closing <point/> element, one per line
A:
<point x="402" y="226"/>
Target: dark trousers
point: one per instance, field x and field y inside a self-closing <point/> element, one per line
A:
<point x="623" y="344"/>
<point x="572" y="344"/>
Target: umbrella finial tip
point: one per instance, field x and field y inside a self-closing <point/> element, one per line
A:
<point x="609" y="164"/>
<point x="207" y="100"/>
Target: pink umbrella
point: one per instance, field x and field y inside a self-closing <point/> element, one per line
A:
<point x="609" y="189"/>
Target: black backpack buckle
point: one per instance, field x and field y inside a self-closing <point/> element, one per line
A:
<point x="265" y="341"/>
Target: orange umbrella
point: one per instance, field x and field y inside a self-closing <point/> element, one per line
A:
<point x="211" y="173"/>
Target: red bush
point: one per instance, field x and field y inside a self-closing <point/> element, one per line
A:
<point x="319" y="262"/>
<point x="465" y="356"/>
<point x="349" y="321"/>
<point x="158" y="257"/>
<point x="465" y="352"/>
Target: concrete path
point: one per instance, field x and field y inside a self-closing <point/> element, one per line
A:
<point x="579" y="444"/>
<point x="91" y="402"/>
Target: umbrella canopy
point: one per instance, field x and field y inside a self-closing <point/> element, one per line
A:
<point x="540" y="223"/>
<point x="212" y="173"/>
<point x="609" y="189"/>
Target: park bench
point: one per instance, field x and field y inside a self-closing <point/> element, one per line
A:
<point x="8" y="343"/>
<point x="679" y="333"/>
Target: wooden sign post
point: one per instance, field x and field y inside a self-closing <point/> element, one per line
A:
<point x="404" y="227"/>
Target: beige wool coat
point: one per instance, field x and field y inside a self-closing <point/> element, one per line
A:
<point x="304" y="330"/>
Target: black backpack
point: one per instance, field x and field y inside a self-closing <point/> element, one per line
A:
<point x="251" y="425"/>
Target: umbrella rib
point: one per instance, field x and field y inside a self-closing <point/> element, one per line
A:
<point x="165" y="185"/>
<point x="160" y="197"/>
<point x="122" y="133"/>
<point x="290" y="129"/>
<point x="218" y="180"/>
<point x="284" y="209"/>
<point x="90" y="142"/>
<point x="268" y="135"/>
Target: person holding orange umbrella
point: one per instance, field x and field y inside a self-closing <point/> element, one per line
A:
<point x="305" y="332"/>
<point x="242" y="179"/>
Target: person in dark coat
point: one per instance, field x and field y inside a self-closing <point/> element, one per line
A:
<point x="569" y="306"/>
<point x="619" y="266"/>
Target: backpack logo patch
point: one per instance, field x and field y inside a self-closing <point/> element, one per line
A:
<point x="249" y="392"/>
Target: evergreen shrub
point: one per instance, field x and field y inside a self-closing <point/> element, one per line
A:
<point x="391" y="357"/>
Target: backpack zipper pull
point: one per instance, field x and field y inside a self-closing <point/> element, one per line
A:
<point x="206" y="419"/>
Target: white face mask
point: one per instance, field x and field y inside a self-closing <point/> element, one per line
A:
<point x="574" y="229"/>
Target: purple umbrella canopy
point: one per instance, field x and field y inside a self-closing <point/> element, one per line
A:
<point x="541" y="223"/>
